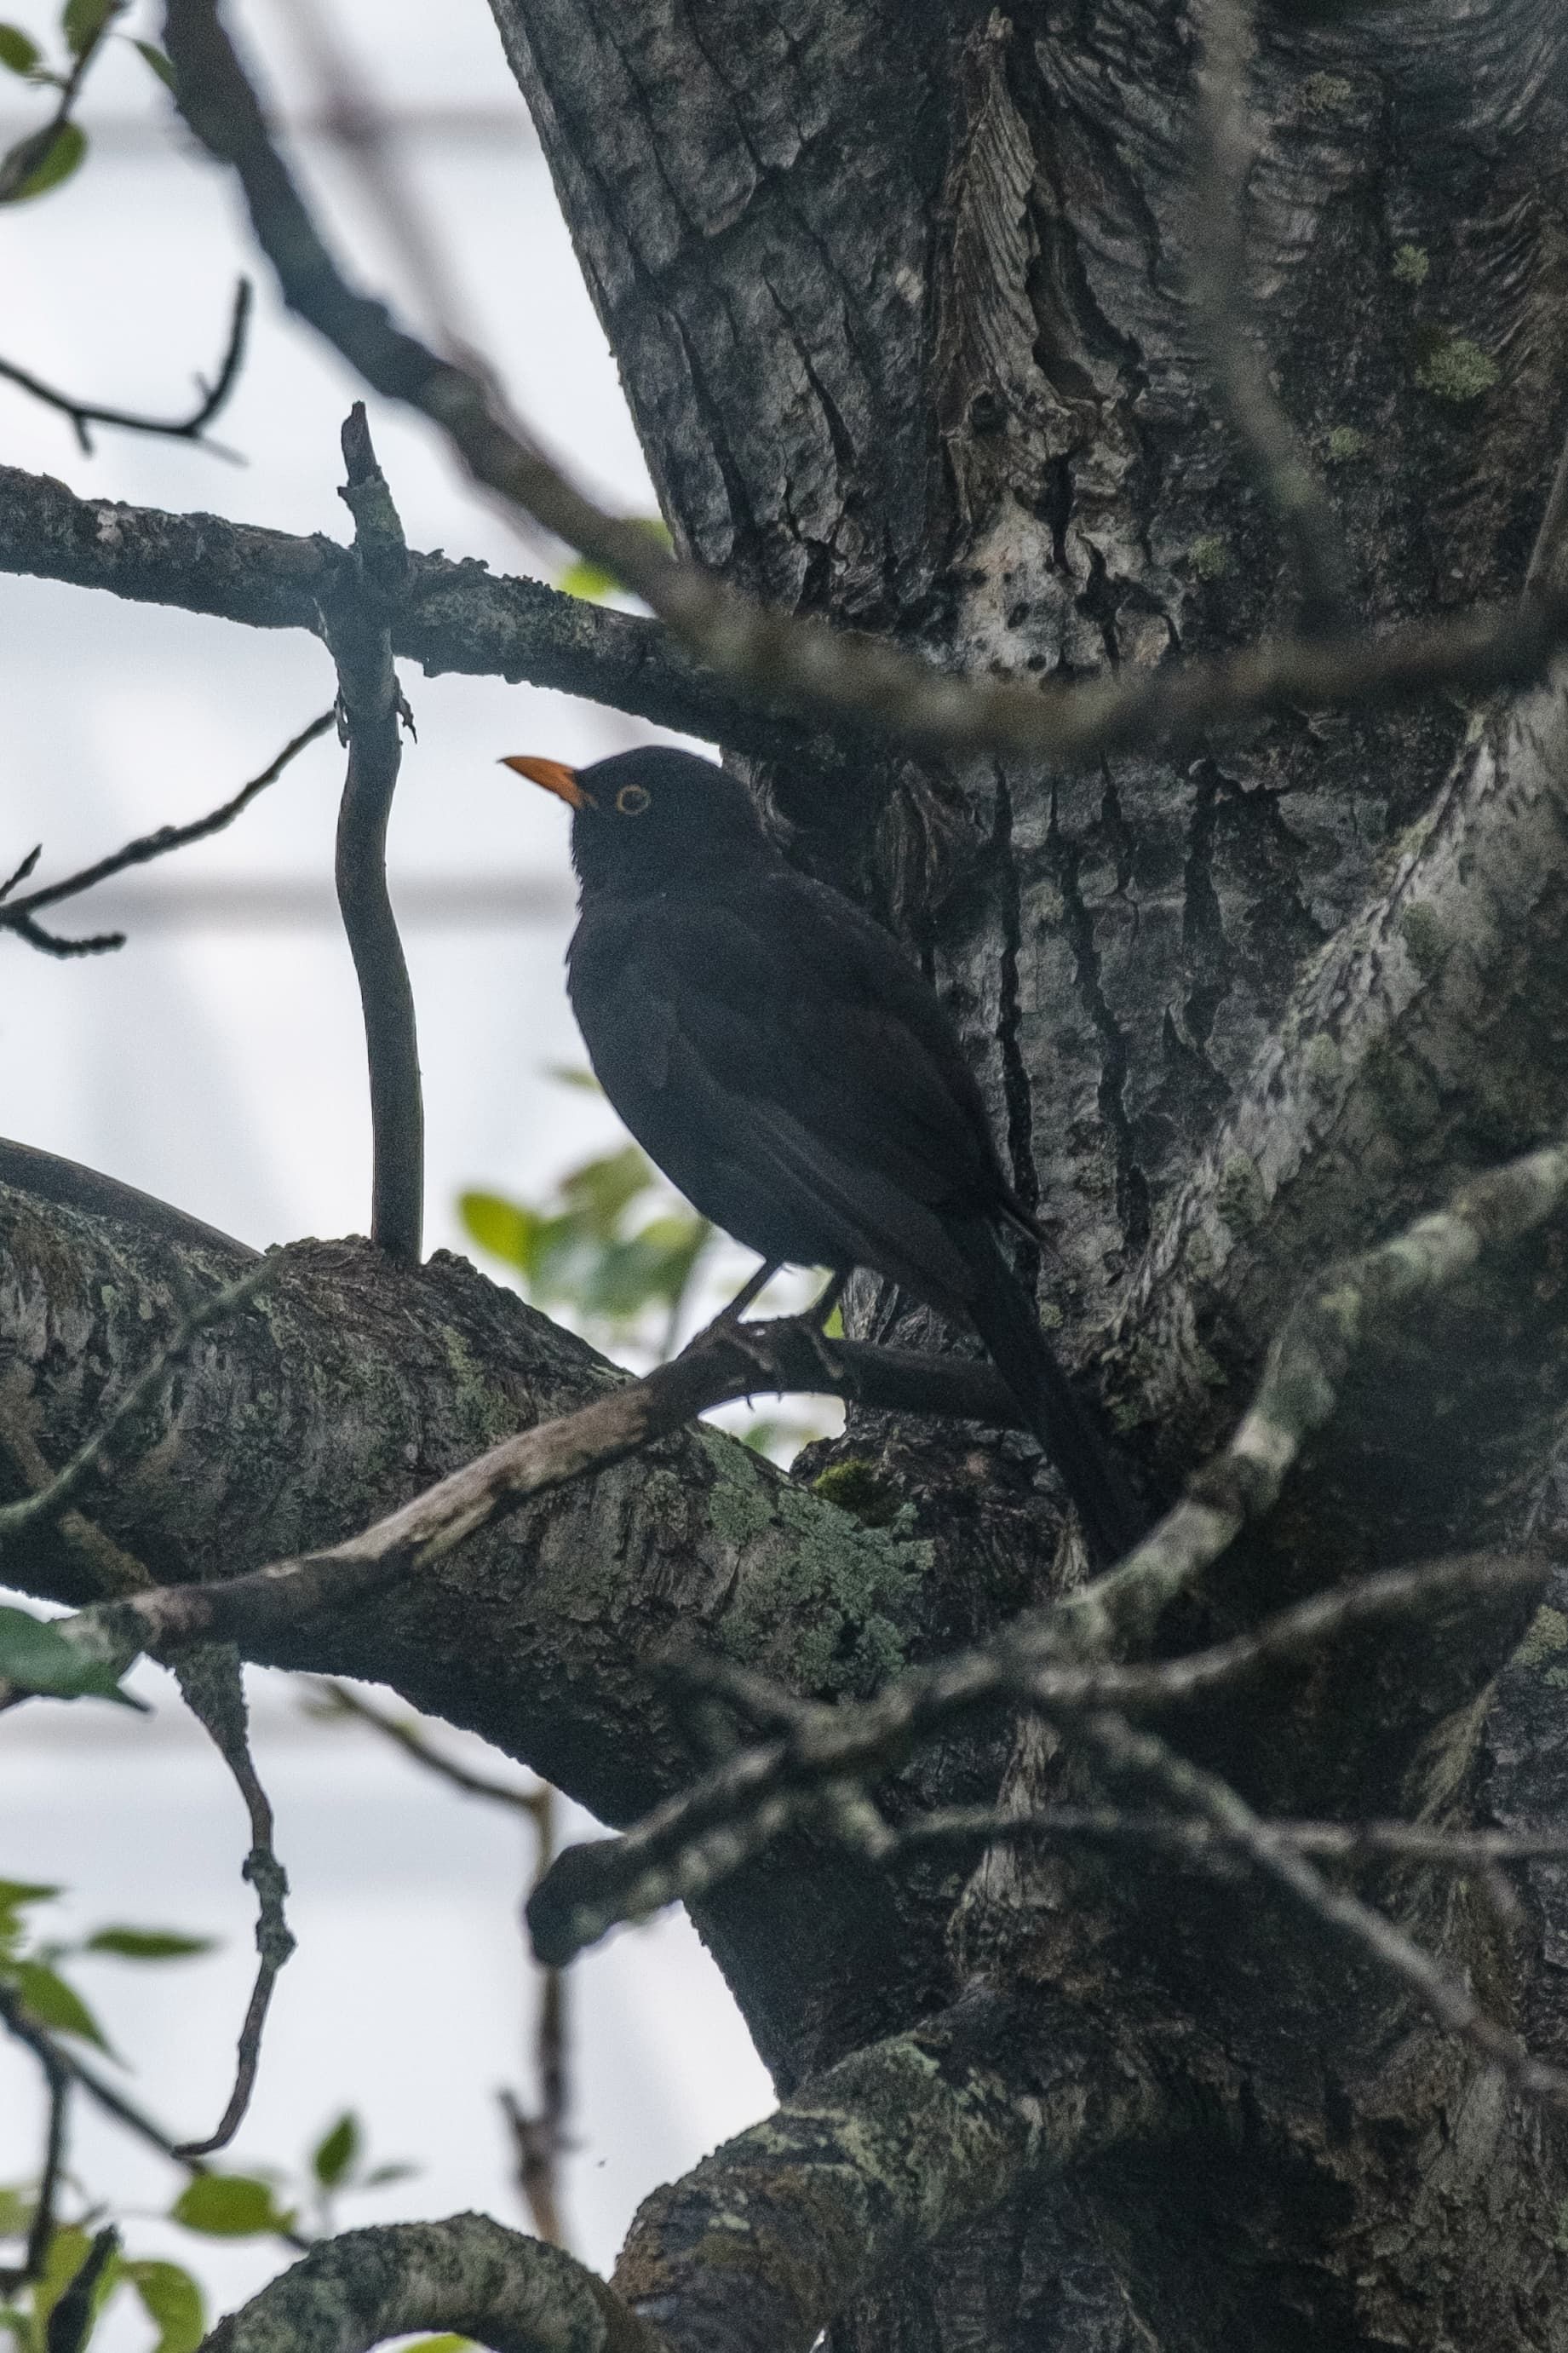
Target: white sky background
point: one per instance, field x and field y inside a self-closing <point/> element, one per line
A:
<point x="221" y="1068"/>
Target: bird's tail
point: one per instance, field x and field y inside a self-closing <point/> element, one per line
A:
<point x="1003" y="1315"/>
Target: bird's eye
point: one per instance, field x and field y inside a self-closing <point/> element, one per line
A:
<point x="631" y="800"/>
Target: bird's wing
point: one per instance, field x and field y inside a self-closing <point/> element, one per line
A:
<point x="767" y="1036"/>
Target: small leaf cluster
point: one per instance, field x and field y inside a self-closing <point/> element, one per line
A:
<point x="262" y="2203"/>
<point x="31" y="1966"/>
<point x="47" y="157"/>
<point x="611" y="1242"/>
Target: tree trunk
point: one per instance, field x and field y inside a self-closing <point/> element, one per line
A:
<point x="898" y="295"/>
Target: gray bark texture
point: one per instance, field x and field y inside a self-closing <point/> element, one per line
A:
<point x="896" y="291"/>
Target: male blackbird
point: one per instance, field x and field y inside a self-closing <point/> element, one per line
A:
<point x="770" y="1049"/>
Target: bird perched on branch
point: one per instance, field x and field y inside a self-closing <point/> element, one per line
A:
<point x="770" y="1049"/>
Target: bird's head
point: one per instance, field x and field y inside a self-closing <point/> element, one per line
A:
<point x="646" y="817"/>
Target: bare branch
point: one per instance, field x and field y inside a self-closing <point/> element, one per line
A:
<point x="329" y="1698"/>
<point x="747" y="1800"/>
<point x="466" y="2276"/>
<point x="839" y="677"/>
<point x="371" y="714"/>
<point x="716" y="1366"/>
<point x="1216" y="269"/>
<point x="451" y="617"/>
<point x="212" y="1684"/>
<point x="17" y="915"/>
<point x="1460" y="1853"/>
<point x="84" y="413"/>
<point x="817" y="2202"/>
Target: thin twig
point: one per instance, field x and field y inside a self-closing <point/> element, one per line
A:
<point x="1217" y="273"/>
<point x="57" y="2085"/>
<point x="125" y="2112"/>
<point x="538" y="2140"/>
<point x="804" y="663"/>
<point x="84" y="413"/>
<point x="1140" y="1756"/>
<point x="17" y="915"/>
<point x="1461" y="1853"/>
<point x="329" y="1698"/>
<point x="211" y="1683"/>
<point x="371" y="714"/>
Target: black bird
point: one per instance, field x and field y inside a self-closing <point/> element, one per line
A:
<point x="772" y="1050"/>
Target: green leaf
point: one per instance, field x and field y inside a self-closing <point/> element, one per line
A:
<point x="14" y="1892"/>
<point x="229" y="2206"/>
<point x="81" y="21"/>
<point x="53" y="2003"/>
<point x="438" y="2345"/>
<point x="173" y="2302"/>
<point x="16" y="50"/>
<point x="37" y="1657"/>
<point x="582" y="577"/>
<point x="148" y="1944"/>
<point x="568" y="1074"/>
<point x="507" y="1229"/>
<point x="380" y="2175"/>
<point x="157" y="60"/>
<point x="333" y="2155"/>
<point x="16" y="2210"/>
<point x="589" y="580"/>
<point x="42" y="161"/>
<point x="601" y="1190"/>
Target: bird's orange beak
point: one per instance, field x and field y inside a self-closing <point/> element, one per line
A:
<point x="554" y="776"/>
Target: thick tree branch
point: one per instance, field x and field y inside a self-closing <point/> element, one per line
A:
<point x="449" y="616"/>
<point x="353" y="1389"/>
<point x="832" y="677"/>
<point x="897" y="2146"/>
<point x="467" y="2276"/>
<point x="769" y="2238"/>
<point x="725" y="1362"/>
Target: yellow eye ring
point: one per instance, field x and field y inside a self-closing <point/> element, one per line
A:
<point x="631" y="800"/>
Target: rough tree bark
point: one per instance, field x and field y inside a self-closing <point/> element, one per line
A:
<point x="897" y="292"/>
<point x="898" y="296"/>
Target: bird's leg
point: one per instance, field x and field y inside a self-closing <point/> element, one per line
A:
<point x="749" y="1291"/>
<point x="814" y="1319"/>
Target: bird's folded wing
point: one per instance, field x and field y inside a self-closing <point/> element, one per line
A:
<point x="789" y="998"/>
